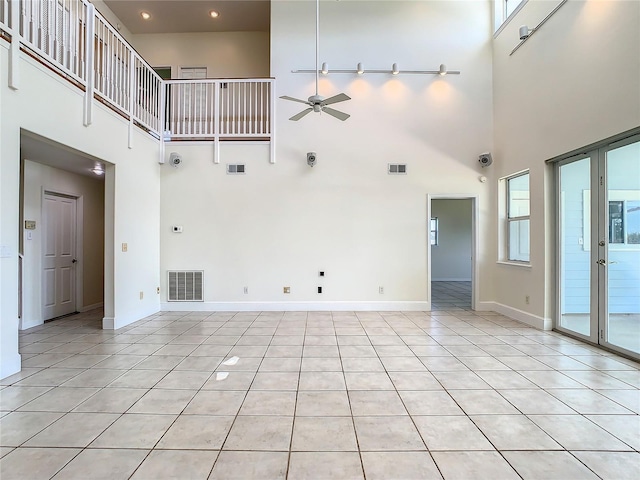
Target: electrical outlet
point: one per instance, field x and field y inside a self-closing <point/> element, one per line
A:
<point x="246" y="290"/>
<point x="319" y="289"/>
<point x="158" y="290"/>
<point x="141" y="295"/>
<point x="526" y="299"/>
<point x="321" y="273"/>
<point x="125" y="247"/>
<point x="286" y="289"/>
<point x="381" y="290"/>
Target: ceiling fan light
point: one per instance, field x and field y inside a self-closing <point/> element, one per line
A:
<point x="394" y="69"/>
<point x="443" y="69"/>
<point x="360" y="69"/>
<point x="325" y="68"/>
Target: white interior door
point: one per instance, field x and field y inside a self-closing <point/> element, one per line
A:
<point x="59" y="255"/>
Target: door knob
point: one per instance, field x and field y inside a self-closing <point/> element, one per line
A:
<point x="74" y="261"/>
<point x="601" y="262"/>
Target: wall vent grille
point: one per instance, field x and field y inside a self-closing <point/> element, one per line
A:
<point x="397" y="169"/>
<point x="235" y="169"/>
<point x="186" y="286"/>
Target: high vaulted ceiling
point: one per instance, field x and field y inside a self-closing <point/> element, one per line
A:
<point x="185" y="16"/>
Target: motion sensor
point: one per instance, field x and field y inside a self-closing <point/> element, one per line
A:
<point x="311" y="159"/>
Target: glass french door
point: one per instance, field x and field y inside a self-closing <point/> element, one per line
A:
<point x="598" y="219"/>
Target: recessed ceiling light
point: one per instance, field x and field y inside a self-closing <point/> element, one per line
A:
<point x="214" y="14"/>
<point x="145" y="15"/>
<point x="98" y="171"/>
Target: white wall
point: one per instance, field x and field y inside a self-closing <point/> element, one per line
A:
<point x="37" y="178"/>
<point x="225" y="54"/>
<point x="112" y="19"/>
<point x="280" y="224"/>
<point x="451" y="258"/>
<point x="132" y="174"/>
<point x="573" y="83"/>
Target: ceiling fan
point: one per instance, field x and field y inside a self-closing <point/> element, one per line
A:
<point x="318" y="103"/>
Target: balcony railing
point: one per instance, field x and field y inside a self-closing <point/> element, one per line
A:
<point x="79" y="43"/>
<point x="222" y="108"/>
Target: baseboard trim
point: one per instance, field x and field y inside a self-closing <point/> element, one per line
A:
<point x="86" y="308"/>
<point x="119" y="321"/>
<point x="10" y="366"/>
<point x="527" y="318"/>
<point x="295" y="306"/>
<point x="33" y="323"/>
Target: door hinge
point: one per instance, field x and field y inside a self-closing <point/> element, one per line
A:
<point x="601" y="182"/>
<point x="601" y="334"/>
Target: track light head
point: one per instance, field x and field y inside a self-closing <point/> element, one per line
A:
<point x="325" y="68"/>
<point x="442" y="70"/>
<point x="360" y="69"/>
<point x="524" y="32"/>
<point x="394" y="69"/>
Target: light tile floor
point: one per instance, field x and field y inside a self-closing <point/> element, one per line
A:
<point x="317" y="395"/>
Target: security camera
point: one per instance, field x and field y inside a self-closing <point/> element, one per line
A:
<point x="311" y="159"/>
<point x="485" y="160"/>
<point x="175" y="159"/>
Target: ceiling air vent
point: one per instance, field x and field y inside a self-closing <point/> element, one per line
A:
<point x="235" y="169"/>
<point x="397" y="169"/>
<point x="185" y="286"/>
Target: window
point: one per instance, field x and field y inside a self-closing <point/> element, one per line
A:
<point x="504" y="10"/>
<point x="510" y="7"/>
<point x="433" y="235"/>
<point x="517" y="217"/>
<point x="623" y="220"/>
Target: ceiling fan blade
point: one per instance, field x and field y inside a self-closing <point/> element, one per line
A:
<point x="341" y="97"/>
<point x="335" y="113"/>
<point x="297" y="117"/>
<point x="285" y="97"/>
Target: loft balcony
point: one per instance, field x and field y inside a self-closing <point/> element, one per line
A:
<point x="73" y="39"/>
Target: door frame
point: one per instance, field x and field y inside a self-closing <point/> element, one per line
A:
<point x="474" y="242"/>
<point x="602" y="330"/>
<point x="593" y="234"/>
<point x="79" y="220"/>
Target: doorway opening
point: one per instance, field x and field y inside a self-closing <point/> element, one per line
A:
<point x="452" y="252"/>
<point x="62" y="231"/>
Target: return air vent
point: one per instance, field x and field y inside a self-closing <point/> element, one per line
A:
<point x="235" y="168"/>
<point x="397" y="169"/>
<point x="185" y="286"/>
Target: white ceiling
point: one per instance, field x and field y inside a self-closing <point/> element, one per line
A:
<point x="47" y="152"/>
<point x="184" y="16"/>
